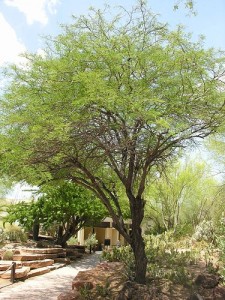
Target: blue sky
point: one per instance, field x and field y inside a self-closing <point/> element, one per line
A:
<point x="23" y="22"/>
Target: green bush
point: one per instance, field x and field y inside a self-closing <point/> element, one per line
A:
<point x="8" y="255"/>
<point x="72" y="241"/>
<point x="14" y="233"/>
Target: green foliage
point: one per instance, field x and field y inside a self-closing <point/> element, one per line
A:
<point x="66" y="205"/>
<point x="178" y="199"/>
<point x="8" y="255"/>
<point x="103" y="290"/>
<point x="166" y="261"/>
<point x="15" y="233"/>
<point x="72" y="241"/>
<point x="3" y="237"/>
<point x="112" y="99"/>
<point x="85" y="293"/>
<point x="91" y="241"/>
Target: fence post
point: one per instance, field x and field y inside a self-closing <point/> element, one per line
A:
<point x="13" y="272"/>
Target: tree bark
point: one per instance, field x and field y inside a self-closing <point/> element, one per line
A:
<point x="137" y="241"/>
<point x="138" y="247"/>
<point x="36" y="227"/>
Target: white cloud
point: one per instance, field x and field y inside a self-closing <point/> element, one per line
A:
<point x="11" y="47"/>
<point x="34" y="10"/>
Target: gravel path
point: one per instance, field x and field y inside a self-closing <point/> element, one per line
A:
<point x="49" y="285"/>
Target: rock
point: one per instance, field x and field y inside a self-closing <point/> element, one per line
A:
<point x="27" y="257"/>
<point x="65" y="260"/>
<point x="207" y="281"/>
<point x="72" y="295"/>
<point x="19" y="273"/>
<point x="34" y="264"/>
<point x="42" y="250"/>
<point x="39" y="271"/>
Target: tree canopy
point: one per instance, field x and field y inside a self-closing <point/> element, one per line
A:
<point x="112" y="98"/>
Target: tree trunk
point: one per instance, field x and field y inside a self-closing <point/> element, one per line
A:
<point x="59" y="240"/>
<point x="137" y="242"/>
<point x="138" y="247"/>
<point x="36" y="227"/>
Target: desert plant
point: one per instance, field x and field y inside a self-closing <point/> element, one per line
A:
<point x="103" y="290"/>
<point x="14" y="233"/>
<point x="204" y="231"/>
<point x="8" y="255"/>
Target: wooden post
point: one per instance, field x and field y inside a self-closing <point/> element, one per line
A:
<point x="13" y="272"/>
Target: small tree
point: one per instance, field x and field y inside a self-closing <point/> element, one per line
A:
<point x="67" y="205"/>
<point x="111" y="100"/>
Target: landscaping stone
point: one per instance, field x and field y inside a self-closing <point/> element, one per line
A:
<point x="39" y="271"/>
<point x="43" y="250"/>
<point x="65" y="260"/>
<point x="19" y="273"/>
<point x="27" y="257"/>
<point x="5" y="264"/>
<point x="35" y="264"/>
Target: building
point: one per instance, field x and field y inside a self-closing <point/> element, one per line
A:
<point x="106" y="234"/>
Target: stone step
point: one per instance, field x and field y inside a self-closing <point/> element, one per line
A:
<point x="6" y="264"/>
<point x="27" y="257"/>
<point x="35" y="264"/>
<point x="65" y="260"/>
<point x="42" y="250"/>
<point x="57" y="266"/>
<point x="39" y="271"/>
<point x="19" y="273"/>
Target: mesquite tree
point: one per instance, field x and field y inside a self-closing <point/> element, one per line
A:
<point x="110" y="99"/>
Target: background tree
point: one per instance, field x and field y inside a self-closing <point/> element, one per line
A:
<point x="112" y="98"/>
<point x="182" y="196"/>
<point x="66" y="206"/>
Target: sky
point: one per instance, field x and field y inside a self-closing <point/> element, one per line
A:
<point x="23" y="23"/>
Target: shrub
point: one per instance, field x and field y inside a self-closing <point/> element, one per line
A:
<point x="204" y="231"/>
<point x="8" y="255"/>
<point x="14" y="233"/>
<point x="72" y="241"/>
